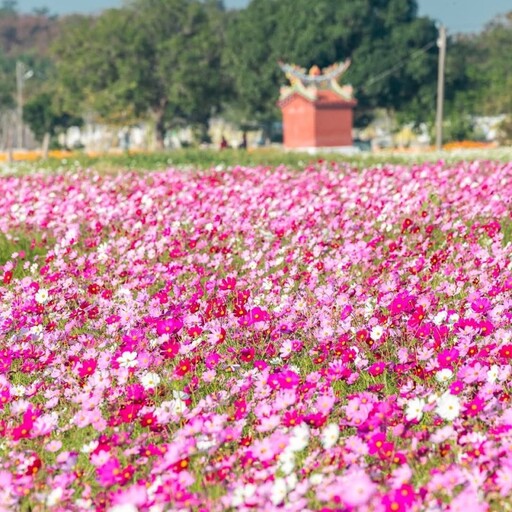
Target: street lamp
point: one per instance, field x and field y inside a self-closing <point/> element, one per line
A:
<point x="22" y="74"/>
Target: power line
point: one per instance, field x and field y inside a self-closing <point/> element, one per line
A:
<point x="400" y="63"/>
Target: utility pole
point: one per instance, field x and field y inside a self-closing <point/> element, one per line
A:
<point x="441" y="43"/>
<point x="19" y="90"/>
<point x="22" y="74"/>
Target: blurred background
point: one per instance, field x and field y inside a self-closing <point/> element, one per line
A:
<point x="107" y="75"/>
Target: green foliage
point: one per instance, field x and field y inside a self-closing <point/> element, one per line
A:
<point x="98" y="69"/>
<point x="6" y="85"/>
<point x="484" y="60"/>
<point x="505" y="131"/>
<point x="160" y="57"/>
<point x="493" y="68"/>
<point x="375" y="35"/>
<point x="194" y="159"/>
<point x="23" y="38"/>
<point x="459" y="127"/>
<point x="8" y="8"/>
<point x="178" y="62"/>
<point x="29" y="244"/>
<point x="43" y="116"/>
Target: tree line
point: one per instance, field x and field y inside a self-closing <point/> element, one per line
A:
<point x="180" y="62"/>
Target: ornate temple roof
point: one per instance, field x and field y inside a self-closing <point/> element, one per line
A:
<point x="317" y="86"/>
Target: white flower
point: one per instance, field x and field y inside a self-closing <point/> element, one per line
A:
<point x="279" y="491"/>
<point x="368" y="310"/>
<point x="267" y="285"/>
<point x="204" y="443"/>
<point x="377" y="332"/>
<point x="180" y="395"/>
<point x="316" y="478"/>
<point x="127" y="360"/>
<point x="36" y="329"/>
<point x="287" y="461"/>
<point x="54" y="497"/>
<point x="330" y="435"/>
<point x="414" y="409"/>
<point x="444" y="375"/>
<point x="299" y="438"/>
<point x="433" y="397"/>
<point x="291" y="481"/>
<point x="124" y="507"/>
<point x="448" y="406"/>
<point x="493" y="373"/>
<point x="177" y="406"/>
<point x="83" y="504"/>
<point x="440" y="317"/>
<point x="41" y="296"/>
<point x="89" y="447"/>
<point x="150" y="380"/>
<point x="249" y="491"/>
<point x="242" y="494"/>
<point x="298" y="444"/>
<point x="287" y="467"/>
<point x="454" y="318"/>
<point x="237" y="497"/>
<point x="18" y="390"/>
<point x="286" y="455"/>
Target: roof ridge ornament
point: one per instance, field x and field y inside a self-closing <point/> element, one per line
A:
<point x="307" y="83"/>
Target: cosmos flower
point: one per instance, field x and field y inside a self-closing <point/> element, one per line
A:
<point x="41" y="296"/>
<point x="127" y="360"/>
<point x="150" y="380"/>
<point x="448" y="407"/>
<point x="330" y="435"/>
<point x="414" y="409"/>
<point x="271" y="332"/>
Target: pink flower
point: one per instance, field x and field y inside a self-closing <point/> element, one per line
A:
<point x="481" y="305"/>
<point x="54" y="446"/>
<point x="474" y="407"/>
<point x="357" y="488"/>
<point x="456" y="387"/>
<point x="108" y="473"/>
<point x="447" y="358"/>
<point x="168" y="326"/>
<point x="377" y="368"/>
<point x="324" y="404"/>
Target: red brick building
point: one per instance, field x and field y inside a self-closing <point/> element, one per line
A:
<point x="317" y="111"/>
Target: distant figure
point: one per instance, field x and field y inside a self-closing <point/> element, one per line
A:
<point x="125" y="139"/>
<point x="223" y="143"/>
<point x="243" y="144"/>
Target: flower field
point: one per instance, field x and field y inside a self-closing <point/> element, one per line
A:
<point x="257" y="338"/>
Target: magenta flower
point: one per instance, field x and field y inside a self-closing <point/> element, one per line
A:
<point x="448" y="358"/>
<point x="481" y="305"/>
<point x="377" y="368"/>
<point x="109" y="474"/>
<point x="474" y="407"/>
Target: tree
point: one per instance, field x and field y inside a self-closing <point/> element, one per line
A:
<point x="41" y="11"/>
<point x="154" y="57"/>
<point x="491" y="67"/>
<point x="376" y="35"/>
<point x="7" y="83"/>
<point x="45" y="117"/>
<point x="9" y="8"/>
<point x="479" y="78"/>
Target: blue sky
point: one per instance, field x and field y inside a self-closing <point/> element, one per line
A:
<point x="457" y="15"/>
